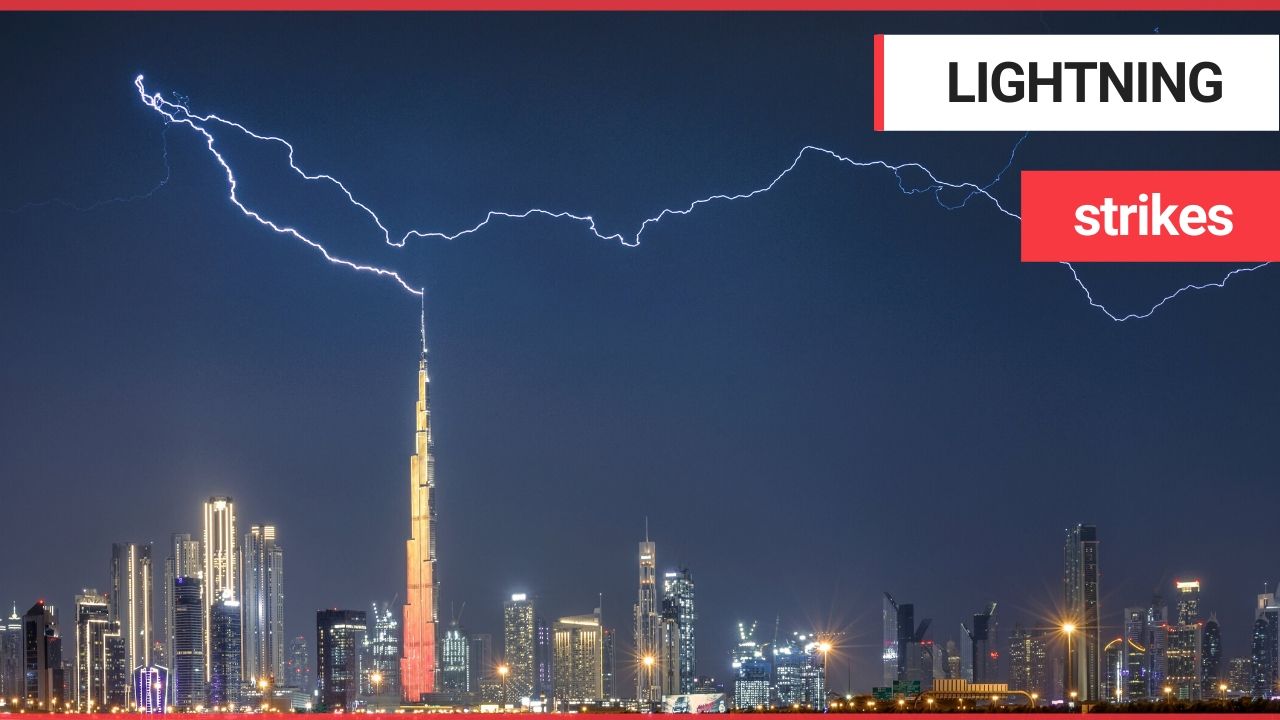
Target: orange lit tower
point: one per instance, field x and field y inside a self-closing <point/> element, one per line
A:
<point x="418" y="666"/>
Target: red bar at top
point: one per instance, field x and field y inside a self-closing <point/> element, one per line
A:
<point x="329" y="5"/>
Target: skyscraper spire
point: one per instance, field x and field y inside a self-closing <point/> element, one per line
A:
<point x="418" y="666"/>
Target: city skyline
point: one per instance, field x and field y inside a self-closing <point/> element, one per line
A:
<point x="855" y="355"/>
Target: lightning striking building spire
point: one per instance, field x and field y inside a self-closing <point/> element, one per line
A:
<point x="179" y="113"/>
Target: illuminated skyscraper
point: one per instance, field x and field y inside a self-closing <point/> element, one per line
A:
<point x="418" y="668"/>
<point x="798" y="672"/>
<point x="187" y="677"/>
<point x="455" y="661"/>
<point x="219" y="567"/>
<point x="1080" y="586"/>
<point x="751" y="669"/>
<point x="93" y="624"/>
<point x="1028" y="661"/>
<point x="1137" y="661"/>
<point x="219" y="543"/>
<point x="984" y="656"/>
<point x="607" y="661"/>
<point x="1188" y="595"/>
<point x="648" y="689"/>
<point x="578" y="658"/>
<point x="131" y="597"/>
<point x="340" y="635"/>
<point x="224" y="678"/>
<point x="262" y="602"/>
<point x="678" y="588"/>
<point x="380" y="669"/>
<point x="184" y="561"/>
<point x="519" y="635"/>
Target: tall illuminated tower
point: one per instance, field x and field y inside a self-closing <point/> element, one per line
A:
<point x="418" y="666"/>
<point x="131" y="597"/>
<point x="1080" y="585"/>
<point x="218" y="581"/>
<point x="262" y="604"/>
<point x="648" y="689"/>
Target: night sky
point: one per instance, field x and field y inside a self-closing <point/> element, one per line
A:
<point x="816" y="395"/>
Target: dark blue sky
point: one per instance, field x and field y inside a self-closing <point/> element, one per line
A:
<point x="816" y="395"/>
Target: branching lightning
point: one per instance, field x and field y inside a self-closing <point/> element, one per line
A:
<point x="177" y="113"/>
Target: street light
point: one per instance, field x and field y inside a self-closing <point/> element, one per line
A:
<point x="1035" y="700"/>
<point x="1222" y="690"/>
<point x="376" y="679"/>
<point x="824" y="647"/>
<point x="648" y="661"/>
<point x="1168" y="693"/>
<point x="502" y="672"/>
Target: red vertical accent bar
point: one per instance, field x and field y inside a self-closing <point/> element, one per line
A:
<point x="879" y="83"/>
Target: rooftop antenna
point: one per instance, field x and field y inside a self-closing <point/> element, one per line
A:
<point x="646" y="528"/>
<point x="422" y="321"/>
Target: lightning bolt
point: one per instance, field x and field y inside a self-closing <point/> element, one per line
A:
<point x="179" y="113"/>
<point x="62" y="202"/>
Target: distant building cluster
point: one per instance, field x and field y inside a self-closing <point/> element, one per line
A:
<point x="217" y="641"/>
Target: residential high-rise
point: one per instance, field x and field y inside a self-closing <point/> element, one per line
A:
<point x="187" y="678"/>
<point x="219" y="566"/>
<point x="578" y="659"/>
<point x="262" y="604"/>
<point x="1028" y="661"/>
<point x="1080" y="585"/>
<point x="219" y="562"/>
<point x="751" y="669"/>
<point x="519" y="629"/>
<point x="380" y="669"/>
<point x="1184" y="658"/>
<point x="418" y="668"/>
<point x="184" y="561"/>
<point x="1211" y="675"/>
<point x="455" y="660"/>
<point x="678" y="587"/>
<point x="1240" y="675"/>
<point x="42" y="657"/>
<point x="12" y="684"/>
<point x="1112" y="671"/>
<point x="648" y="689"/>
<point x="340" y="635"/>
<point x="93" y="624"/>
<point x="224" y="678"/>
<point x="131" y="598"/>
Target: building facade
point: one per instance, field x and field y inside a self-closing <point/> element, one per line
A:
<point x="224" y="653"/>
<point x="340" y="635"/>
<point x="678" y="588"/>
<point x="455" y="660"/>
<point x="578" y="658"/>
<point x="648" y="687"/>
<point x="132" y="594"/>
<point x="262" y="604"/>
<point x="93" y="624"/>
<point x="42" y="658"/>
<point x="381" y="664"/>
<point x="187" y="678"/>
<point x="184" y="561"/>
<point x="1080" y="587"/>
<point x="519" y="637"/>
